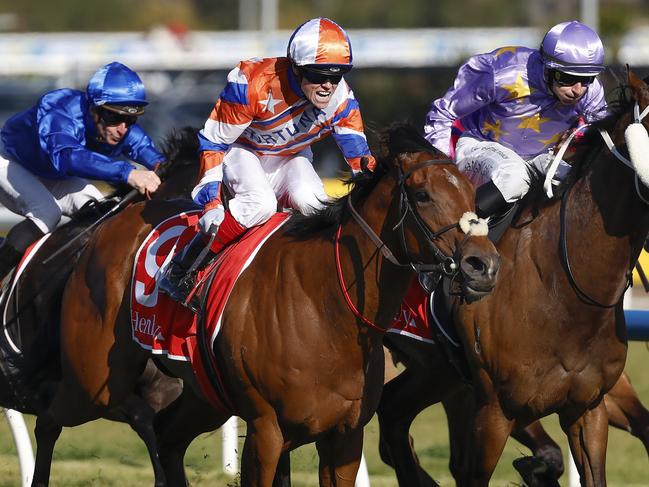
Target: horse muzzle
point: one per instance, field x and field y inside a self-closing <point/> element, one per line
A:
<point x="479" y="274"/>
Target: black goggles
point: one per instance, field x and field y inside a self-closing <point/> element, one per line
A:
<point x="566" y="79"/>
<point x="318" y="78"/>
<point x="113" y="119"/>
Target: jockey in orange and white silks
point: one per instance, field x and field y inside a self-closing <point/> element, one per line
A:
<point x="49" y="151"/>
<point x="508" y="109"/>
<point x="258" y="135"/>
<point x="257" y="139"/>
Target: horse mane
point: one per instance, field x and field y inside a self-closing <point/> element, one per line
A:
<point x="180" y="148"/>
<point x="397" y="138"/>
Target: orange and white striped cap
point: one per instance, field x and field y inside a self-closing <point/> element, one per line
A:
<point x="320" y="43"/>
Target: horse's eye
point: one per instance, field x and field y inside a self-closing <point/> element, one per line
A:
<point x="422" y="196"/>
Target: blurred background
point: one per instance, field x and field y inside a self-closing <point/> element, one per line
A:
<point x="406" y="54"/>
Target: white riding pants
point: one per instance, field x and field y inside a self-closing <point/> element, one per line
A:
<point x="42" y="200"/>
<point x="259" y="183"/>
<point x="483" y="161"/>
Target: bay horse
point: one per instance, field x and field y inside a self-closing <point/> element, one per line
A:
<point x="542" y="469"/>
<point x="300" y="353"/>
<point x="29" y="351"/>
<point x="551" y="338"/>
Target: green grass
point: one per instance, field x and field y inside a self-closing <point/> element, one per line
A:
<point x="110" y="454"/>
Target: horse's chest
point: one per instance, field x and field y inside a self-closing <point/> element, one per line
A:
<point x="539" y="393"/>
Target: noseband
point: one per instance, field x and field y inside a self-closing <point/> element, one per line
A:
<point x="444" y="264"/>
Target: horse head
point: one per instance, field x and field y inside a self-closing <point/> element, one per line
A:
<point x="438" y="230"/>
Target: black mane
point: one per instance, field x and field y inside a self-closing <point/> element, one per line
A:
<point x="180" y="148"/>
<point x="398" y="138"/>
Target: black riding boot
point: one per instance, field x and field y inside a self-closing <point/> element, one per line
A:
<point x="21" y="236"/>
<point x="488" y="200"/>
<point x="177" y="281"/>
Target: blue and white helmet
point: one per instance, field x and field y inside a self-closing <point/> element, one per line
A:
<point x="573" y="48"/>
<point x="117" y="88"/>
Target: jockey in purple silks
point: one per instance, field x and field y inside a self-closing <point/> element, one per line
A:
<point x="508" y="109"/>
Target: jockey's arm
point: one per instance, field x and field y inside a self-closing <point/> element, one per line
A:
<point x="229" y="118"/>
<point x="474" y="88"/>
<point x="350" y="138"/>
<point x="139" y="147"/>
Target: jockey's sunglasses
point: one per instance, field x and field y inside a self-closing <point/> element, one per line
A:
<point x="565" y="79"/>
<point x="113" y="119"/>
<point x="320" y="78"/>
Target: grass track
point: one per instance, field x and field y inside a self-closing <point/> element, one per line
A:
<point x="110" y="454"/>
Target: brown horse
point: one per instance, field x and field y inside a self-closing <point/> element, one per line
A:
<point x="29" y="352"/>
<point x="542" y="469"/>
<point x="551" y="338"/>
<point x="301" y="358"/>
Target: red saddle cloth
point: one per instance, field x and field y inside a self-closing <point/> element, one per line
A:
<point x="163" y="326"/>
<point x="413" y="319"/>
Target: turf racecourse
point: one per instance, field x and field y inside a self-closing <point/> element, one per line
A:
<point x="110" y="454"/>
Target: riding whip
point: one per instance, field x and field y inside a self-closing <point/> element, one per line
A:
<point x="115" y="209"/>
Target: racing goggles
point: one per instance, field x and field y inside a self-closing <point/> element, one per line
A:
<point x="113" y="119"/>
<point x="319" y="78"/>
<point x="566" y="79"/>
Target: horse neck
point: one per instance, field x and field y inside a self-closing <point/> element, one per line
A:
<point x="606" y="223"/>
<point x="374" y="284"/>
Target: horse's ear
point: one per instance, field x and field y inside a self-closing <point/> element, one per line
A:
<point x="639" y="88"/>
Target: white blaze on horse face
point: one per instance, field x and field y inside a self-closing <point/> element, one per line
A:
<point x="153" y="270"/>
<point x="450" y="177"/>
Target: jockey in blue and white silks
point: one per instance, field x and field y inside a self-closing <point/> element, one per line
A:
<point x="48" y="151"/>
<point x="508" y="109"/>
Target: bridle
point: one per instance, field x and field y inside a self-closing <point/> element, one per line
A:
<point x="444" y="265"/>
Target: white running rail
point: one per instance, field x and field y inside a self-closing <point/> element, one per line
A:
<point x="23" y="445"/>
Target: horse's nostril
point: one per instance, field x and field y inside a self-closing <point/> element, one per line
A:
<point x="474" y="265"/>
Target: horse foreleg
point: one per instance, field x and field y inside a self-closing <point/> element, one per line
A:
<point x="283" y="474"/>
<point x="261" y="451"/>
<point x="403" y="398"/>
<point x="625" y="411"/>
<point x="177" y="426"/>
<point x="69" y="407"/>
<point x="458" y="407"/>
<point x="47" y="431"/>
<point x="546" y="465"/>
<point x="139" y="416"/>
<point x="340" y="457"/>
<point x="588" y="436"/>
<point x="488" y="435"/>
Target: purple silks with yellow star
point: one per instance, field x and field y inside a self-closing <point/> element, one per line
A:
<point x="502" y="96"/>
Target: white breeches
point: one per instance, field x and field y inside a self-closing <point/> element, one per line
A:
<point x="259" y="183"/>
<point x="484" y="160"/>
<point x="39" y="199"/>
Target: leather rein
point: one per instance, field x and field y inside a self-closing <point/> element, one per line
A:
<point x="445" y="265"/>
<point x="563" y="236"/>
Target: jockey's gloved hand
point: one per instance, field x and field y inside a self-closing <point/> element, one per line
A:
<point x="211" y="219"/>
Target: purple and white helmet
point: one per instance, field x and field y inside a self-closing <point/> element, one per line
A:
<point x="573" y="48"/>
